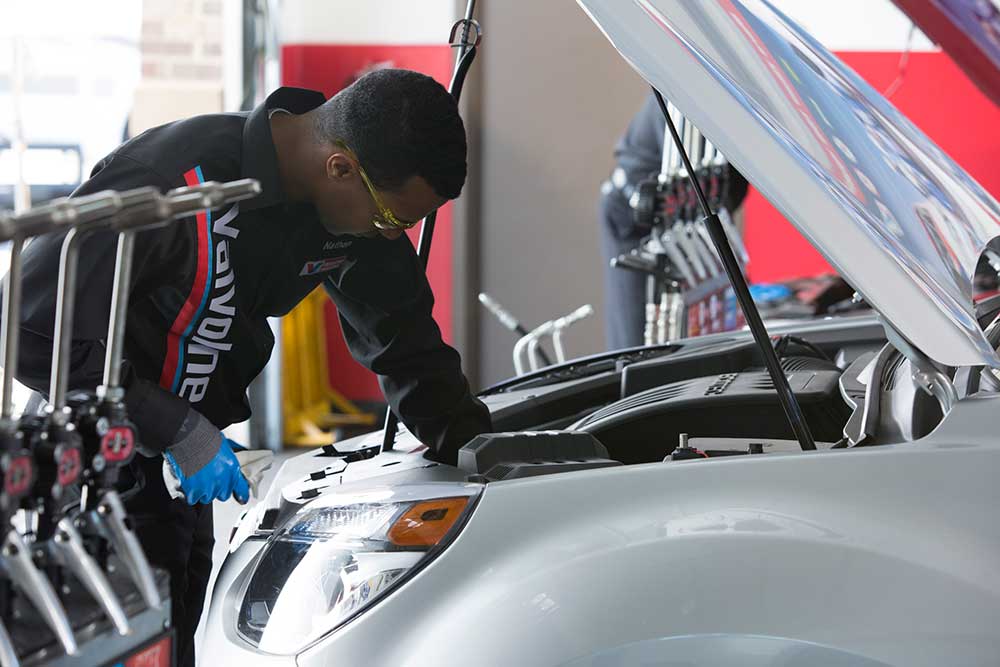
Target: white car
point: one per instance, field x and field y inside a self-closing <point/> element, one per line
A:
<point x="585" y="535"/>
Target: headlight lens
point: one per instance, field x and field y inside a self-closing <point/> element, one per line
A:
<point x="338" y="555"/>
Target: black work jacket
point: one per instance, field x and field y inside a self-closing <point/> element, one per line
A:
<point x="202" y="290"/>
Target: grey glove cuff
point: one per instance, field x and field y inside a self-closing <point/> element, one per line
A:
<point x="198" y="442"/>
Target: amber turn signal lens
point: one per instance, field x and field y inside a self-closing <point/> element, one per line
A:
<point x="427" y="522"/>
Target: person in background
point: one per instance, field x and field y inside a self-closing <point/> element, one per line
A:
<point x="639" y="155"/>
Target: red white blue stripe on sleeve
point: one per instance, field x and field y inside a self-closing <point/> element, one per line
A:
<point x="189" y="314"/>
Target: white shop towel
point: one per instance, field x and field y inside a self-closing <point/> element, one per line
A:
<point x="253" y="464"/>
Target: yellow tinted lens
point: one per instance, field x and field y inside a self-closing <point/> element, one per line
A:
<point x="386" y="220"/>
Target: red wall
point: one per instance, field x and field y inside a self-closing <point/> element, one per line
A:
<point x="940" y="100"/>
<point x="328" y="68"/>
<point x="935" y="95"/>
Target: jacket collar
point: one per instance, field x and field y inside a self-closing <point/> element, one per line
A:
<point x="260" y="161"/>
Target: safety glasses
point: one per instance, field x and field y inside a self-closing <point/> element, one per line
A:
<point x="385" y="218"/>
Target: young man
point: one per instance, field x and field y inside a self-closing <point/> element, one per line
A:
<point x="342" y="179"/>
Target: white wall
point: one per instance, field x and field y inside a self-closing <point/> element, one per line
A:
<point x="555" y="98"/>
<point x="855" y="25"/>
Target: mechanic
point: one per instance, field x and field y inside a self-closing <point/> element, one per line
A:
<point x="342" y="179"/>
<point x="638" y="154"/>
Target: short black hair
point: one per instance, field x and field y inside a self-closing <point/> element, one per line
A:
<point x="401" y="124"/>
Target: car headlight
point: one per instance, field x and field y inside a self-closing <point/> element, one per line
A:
<point x="339" y="554"/>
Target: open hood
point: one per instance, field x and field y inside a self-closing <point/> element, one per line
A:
<point x="899" y="219"/>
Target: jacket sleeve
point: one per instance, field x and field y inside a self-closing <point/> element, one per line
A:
<point x="640" y="150"/>
<point x="158" y="414"/>
<point x="384" y="302"/>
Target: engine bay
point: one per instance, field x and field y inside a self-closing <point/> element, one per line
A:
<point x="741" y="403"/>
<point x="715" y="398"/>
<point x="639" y="409"/>
<point x="699" y="399"/>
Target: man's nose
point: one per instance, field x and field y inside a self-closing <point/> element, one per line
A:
<point x="391" y="234"/>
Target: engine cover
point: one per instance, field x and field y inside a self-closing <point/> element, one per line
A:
<point x="644" y="427"/>
<point x="498" y="456"/>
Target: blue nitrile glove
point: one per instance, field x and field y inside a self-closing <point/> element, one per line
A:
<point x="218" y="478"/>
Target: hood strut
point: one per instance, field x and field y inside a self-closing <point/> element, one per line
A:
<point x="739" y="283"/>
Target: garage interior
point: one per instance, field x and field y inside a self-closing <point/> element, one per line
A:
<point x="545" y="104"/>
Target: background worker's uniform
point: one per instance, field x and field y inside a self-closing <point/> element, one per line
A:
<point x="197" y="330"/>
<point x="638" y="155"/>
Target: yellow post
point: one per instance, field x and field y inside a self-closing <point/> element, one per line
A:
<point x="308" y="393"/>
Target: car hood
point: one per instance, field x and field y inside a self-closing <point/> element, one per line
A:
<point x="893" y="214"/>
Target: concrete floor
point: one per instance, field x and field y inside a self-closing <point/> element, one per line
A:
<point x="226" y="515"/>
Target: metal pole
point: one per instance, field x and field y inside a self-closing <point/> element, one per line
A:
<point x="785" y="395"/>
<point x="11" y="320"/>
<point x="470" y="11"/>
<point x="84" y="215"/>
<point x="119" y="307"/>
<point x="62" y="337"/>
<point x="510" y="322"/>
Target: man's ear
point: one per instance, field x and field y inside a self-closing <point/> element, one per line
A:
<point x="339" y="167"/>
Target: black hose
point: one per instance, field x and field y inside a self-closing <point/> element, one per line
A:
<point x="782" y="345"/>
<point x="427" y="229"/>
<point x="458" y="79"/>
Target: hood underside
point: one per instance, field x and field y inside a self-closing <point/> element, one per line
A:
<point x="894" y="215"/>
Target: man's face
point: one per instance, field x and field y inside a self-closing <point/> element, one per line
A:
<point x="347" y="206"/>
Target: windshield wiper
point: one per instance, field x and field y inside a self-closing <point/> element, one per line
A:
<point x="718" y="235"/>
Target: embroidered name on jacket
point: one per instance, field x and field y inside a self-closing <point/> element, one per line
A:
<point x="200" y="331"/>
